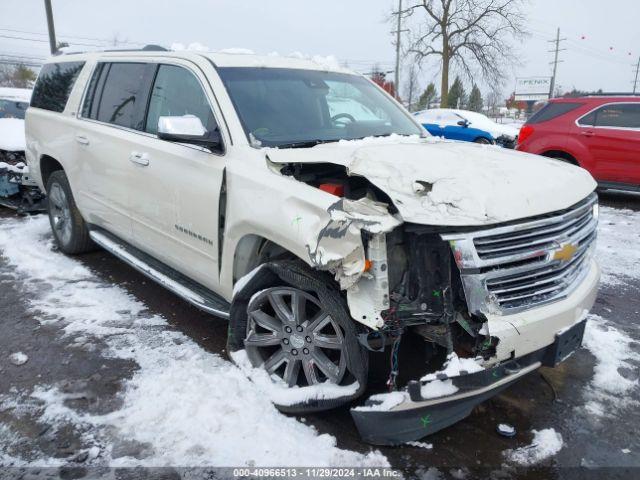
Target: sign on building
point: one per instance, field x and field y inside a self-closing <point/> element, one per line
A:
<point x="532" y="88"/>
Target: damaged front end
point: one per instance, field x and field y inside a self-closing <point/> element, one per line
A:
<point x="17" y="190"/>
<point x="484" y="300"/>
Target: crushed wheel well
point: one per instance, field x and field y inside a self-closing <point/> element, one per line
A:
<point x="48" y="165"/>
<point x="254" y="250"/>
<point x="561" y="155"/>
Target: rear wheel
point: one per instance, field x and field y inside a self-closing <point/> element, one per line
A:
<point x="483" y="141"/>
<point x="69" y="229"/>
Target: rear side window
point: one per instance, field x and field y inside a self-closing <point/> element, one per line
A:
<point x="621" y="115"/>
<point x="552" y="110"/>
<point x="54" y="85"/>
<point x="122" y="93"/>
<point x="118" y="93"/>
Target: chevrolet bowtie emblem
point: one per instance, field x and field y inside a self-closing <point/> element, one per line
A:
<point x="566" y="253"/>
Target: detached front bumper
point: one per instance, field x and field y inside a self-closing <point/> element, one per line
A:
<point x="416" y="417"/>
<point x="542" y="336"/>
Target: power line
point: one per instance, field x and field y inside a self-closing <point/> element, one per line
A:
<point x="70" y="37"/>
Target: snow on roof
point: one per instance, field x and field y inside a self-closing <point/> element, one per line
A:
<point x="246" y="58"/>
<point x="19" y="94"/>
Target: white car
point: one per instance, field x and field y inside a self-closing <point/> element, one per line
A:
<point x="304" y="204"/>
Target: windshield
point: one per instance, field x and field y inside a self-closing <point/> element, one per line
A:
<point x="12" y="109"/>
<point x="295" y="108"/>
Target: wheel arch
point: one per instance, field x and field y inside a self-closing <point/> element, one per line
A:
<point x="561" y="154"/>
<point x="253" y="250"/>
<point x="48" y="165"/>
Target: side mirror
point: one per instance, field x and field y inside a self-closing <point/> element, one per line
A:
<point x="188" y="129"/>
<point x="463" y="123"/>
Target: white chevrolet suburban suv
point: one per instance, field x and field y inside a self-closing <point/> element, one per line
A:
<point x="303" y="203"/>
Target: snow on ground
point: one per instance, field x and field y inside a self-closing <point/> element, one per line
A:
<point x="615" y="354"/>
<point x="546" y="443"/>
<point x="617" y="252"/>
<point x="192" y="407"/>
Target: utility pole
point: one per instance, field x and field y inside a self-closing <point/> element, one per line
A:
<point x="52" y="32"/>
<point x="635" y="81"/>
<point x="398" y="33"/>
<point x="555" y="62"/>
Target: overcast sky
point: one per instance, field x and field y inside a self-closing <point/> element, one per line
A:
<point x="603" y="39"/>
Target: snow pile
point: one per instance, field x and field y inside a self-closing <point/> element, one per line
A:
<point x="618" y="232"/>
<point x="455" y="366"/>
<point x="191" y="407"/>
<point x="614" y="351"/>
<point x="17" y="94"/>
<point x="383" y="402"/>
<point x="12" y="135"/>
<point x="546" y="443"/>
<point x="18" y="358"/>
<point x="276" y="390"/>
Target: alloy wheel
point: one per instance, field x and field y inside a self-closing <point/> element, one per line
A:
<point x="292" y="336"/>
<point x="60" y="212"/>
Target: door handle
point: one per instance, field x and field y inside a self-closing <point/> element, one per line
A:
<point x="82" y="140"/>
<point x="587" y="133"/>
<point x="139" y="158"/>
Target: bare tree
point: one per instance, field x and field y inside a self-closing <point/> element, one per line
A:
<point x="411" y="85"/>
<point x="473" y="34"/>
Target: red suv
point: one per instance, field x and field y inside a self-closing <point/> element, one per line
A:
<point x="598" y="133"/>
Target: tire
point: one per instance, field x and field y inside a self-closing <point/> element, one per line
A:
<point x="483" y="141"/>
<point x="69" y="229"/>
<point x="315" y="343"/>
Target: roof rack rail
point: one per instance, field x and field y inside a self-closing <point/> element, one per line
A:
<point x="146" y="48"/>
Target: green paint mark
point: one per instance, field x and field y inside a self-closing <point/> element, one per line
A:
<point x="296" y="220"/>
<point x="495" y="374"/>
<point x="426" y="420"/>
<point x="436" y="293"/>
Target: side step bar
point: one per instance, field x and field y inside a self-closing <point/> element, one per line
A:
<point x="185" y="288"/>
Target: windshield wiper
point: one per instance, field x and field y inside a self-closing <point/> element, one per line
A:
<point x="305" y="143"/>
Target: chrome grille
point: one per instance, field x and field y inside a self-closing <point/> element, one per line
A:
<point x="519" y="266"/>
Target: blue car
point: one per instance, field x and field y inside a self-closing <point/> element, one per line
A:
<point x="442" y="122"/>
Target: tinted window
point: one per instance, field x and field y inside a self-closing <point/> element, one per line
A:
<point x="177" y="92"/>
<point x="54" y="85"/>
<point x="588" y="120"/>
<point x="552" y="110"/>
<point x="12" y="109"/>
<point x="123" y="92"/>
<point x="624" y="115"/>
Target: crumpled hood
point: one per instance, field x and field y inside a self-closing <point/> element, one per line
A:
<point x="435" y="182"/>
<point x="12" y="135"/>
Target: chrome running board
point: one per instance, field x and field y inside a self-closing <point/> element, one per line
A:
<point x="194" y="293"/>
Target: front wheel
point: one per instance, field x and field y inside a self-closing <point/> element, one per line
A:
<point x="298" y="329"/>
<point x="483" y="141"/>
<point x="69" y="229"/>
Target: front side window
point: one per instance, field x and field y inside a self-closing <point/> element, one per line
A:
<point x="123" y="93"/>
<point x="54" y="85"/>
<point x="12" y="109"/>
<point x="281" y="107"/>
<point x="626" y="115"/>
<point x="177" y="92"/>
